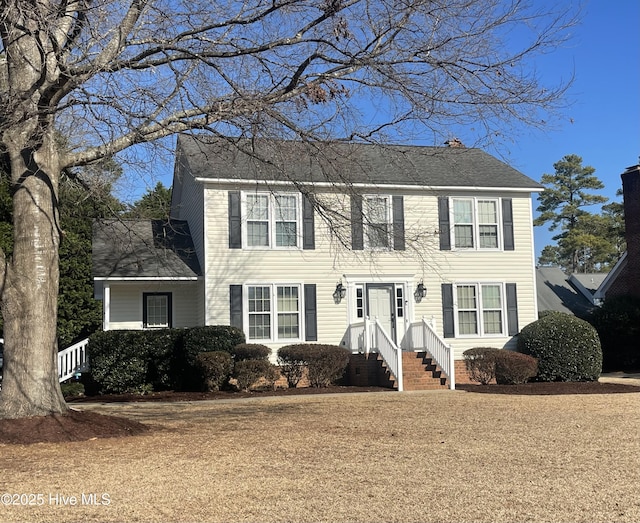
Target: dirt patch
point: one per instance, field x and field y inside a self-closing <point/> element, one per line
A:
<point x="553" y="388"/>
<point x="73" y="426"/>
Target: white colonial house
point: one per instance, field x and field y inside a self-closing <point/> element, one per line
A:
<point x="396" y="251"/>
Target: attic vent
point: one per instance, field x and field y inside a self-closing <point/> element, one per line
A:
<point x="454" y="142"/>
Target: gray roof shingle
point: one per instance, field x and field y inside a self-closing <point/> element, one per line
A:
<point x="143" y="248"/>
<point x="346" y="163"/>
<point x="555" y="293"/>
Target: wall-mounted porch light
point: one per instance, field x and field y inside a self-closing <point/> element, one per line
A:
<point x="420" y="292"/>
<point x="340" y="292"/>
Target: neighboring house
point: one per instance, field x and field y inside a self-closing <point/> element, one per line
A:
<point x="624" y="278"/>
<point x="302" y="242"/>
<point x="574" y="294"/>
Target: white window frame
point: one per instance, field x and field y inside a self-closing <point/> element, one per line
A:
<point x="271" y="220"/>
<point x="368" y="225"/>
<point x="480" y="309"/>
<point x="273" y="312"/>
<point x="475" y="223"/>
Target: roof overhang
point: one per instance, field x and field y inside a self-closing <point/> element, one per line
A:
<point x="399" y="187"/>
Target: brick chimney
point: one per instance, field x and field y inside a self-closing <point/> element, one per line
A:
<point x="628" y="281"/>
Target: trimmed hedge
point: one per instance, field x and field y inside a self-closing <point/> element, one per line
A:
<point x="567" y="348"/>
<point x="250" y="351"/>
<point x="143" y="360"/>
<point x="513" y="368"/>
<point x="216" y="368"/>
<point x="481" y="363"/>
<point x="618" y="324"/>
<point x="249" y="372"/>
<point x="325" y="363"/>
<point x="291" y="360"/>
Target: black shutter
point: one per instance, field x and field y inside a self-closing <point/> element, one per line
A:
<point x="507" y="224"/>
<point x="512" y="309"/>
<point x="235" y="219"/>
<point x="235" y="305"/>
<point x="310" y="313"/>
<point x="398" y="223"/>
<point x="443" y="223"/>
<point x="308" y="224"/>
<point x="357" y="238"/>
<point x="448" y="318"/>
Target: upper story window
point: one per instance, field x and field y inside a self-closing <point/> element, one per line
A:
<point x="377" y="222"/>
<point x="272" y="220"/>
<point x="475" y="223"/>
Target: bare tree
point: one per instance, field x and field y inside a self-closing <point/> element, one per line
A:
<point x="113" y="74"/>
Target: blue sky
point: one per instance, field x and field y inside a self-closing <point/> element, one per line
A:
<point x="604" y="55"/>
<point x="602" y="124"/>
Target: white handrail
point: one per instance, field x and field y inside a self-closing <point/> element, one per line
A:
<point x="440" y="350"/>
<point x="390" y="352"/>
<point x="71" y="358"/>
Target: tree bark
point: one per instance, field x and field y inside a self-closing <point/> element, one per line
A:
<point x="30" y="276"/>
<point x="29" y="302"/>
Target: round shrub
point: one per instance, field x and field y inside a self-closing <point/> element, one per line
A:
<point x="618" y="324"/>
<point x="216" y="368"/>
<point x="480" y="363"/>
<point x="567" y="348"/>
<point x="255" y="372"/>
<point x="513" y="368"/>
<point x="250" y="351"/>
<point x="292" y="360"/>
<point x="326" y="364"/>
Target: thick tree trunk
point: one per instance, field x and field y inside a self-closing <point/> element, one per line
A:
<point x="30" y="384"/>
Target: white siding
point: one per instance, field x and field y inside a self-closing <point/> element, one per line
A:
<point x="329" y="263"/>
<point x="126" y="303"/>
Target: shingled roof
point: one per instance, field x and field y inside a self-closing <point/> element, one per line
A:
<point x="143" y="248"/>
<point x="346" y="163"/>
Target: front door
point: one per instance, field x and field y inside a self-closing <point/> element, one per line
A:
<point x="380" y="305"/>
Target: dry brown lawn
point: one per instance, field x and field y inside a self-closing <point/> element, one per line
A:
<point x="370" y="457"/>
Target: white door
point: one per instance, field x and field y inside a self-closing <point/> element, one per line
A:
<point x="380" y="305"/>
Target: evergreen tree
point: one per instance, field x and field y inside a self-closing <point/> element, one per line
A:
<point x="563" y="203"/>
<point x="155" y="204"/>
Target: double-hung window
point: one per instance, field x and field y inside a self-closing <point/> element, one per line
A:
<point x="476" y="223"/>
<point x="480" y="309"/>
<point x="377" y="222"/>
<point x="274" y="312"/>
<point x="156" y="310"/>
<point x="273" y="220"/>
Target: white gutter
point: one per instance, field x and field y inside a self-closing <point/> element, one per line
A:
<point x="147" y="278"/>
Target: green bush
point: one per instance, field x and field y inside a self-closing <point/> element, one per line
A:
<point x="248" y="372"/>
<point x="73" y="389"/>
<point x="250" y="351"/>
<point x="216" y="368"/>
<point x="325" y="363"/>
<point x="567" y="348"/>
<point x="117" y="362"/>
<point x="292" y="360"/>
<point x="618" y="324"/>
<point x="212" y="338"/>
<point x="143" y="360"/>
<point x="513" y="368"/>
<point x="480" y="363"/>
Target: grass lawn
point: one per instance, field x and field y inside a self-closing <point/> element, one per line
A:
<point x="395" y="457"/>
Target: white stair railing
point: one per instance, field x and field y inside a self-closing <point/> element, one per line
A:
<point x="384" y="345"/>
<point x="71" y="358"/>
<point x="426" y="337"/>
